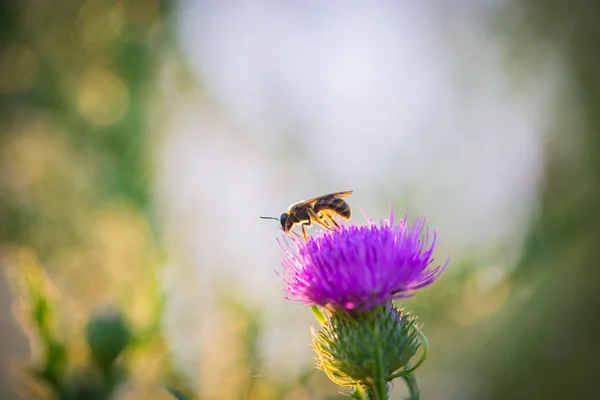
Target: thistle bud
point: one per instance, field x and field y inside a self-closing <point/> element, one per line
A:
<point x="366" y="348"/>
<point x="107" y="336"/>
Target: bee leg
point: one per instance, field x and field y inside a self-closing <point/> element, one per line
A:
<point x="331" y="218"/>
<point x="322" y="221"/>
<point x="304" y="231"/>
<point x="295" y="233"/>
<point x="318" y="219"/>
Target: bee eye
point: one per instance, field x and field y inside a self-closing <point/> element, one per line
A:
<point x="284" y="220"/>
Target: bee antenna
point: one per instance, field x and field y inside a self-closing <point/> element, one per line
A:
<point x="276" y="219"/>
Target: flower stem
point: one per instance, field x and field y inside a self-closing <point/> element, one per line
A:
<point x="381" y="389"/>
<point x="413" y="389"/>
<point x="380" y="385"/>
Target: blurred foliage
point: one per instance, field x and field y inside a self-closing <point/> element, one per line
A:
<point x="77" y="239"/>
<point x="248" y="379"/>
<point x="547" y="348"/>
<point x="73" y="89"/>
<point x="75" y="79"/>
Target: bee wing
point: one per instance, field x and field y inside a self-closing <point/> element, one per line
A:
<point x="314" y="200"/>
<point x="339" y="194"/>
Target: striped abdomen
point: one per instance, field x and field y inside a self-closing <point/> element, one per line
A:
<point x="334" y="205"/>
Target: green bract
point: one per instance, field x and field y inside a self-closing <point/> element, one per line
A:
<point x="366" y="348"/>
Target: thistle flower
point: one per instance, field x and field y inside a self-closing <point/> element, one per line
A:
<point x="360" y="267"/>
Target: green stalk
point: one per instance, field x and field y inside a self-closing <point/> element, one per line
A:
<point x="380" y="386"/>
<point x="413" y="388"/>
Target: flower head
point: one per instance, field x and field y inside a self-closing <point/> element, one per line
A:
<point x="360" y="267"/>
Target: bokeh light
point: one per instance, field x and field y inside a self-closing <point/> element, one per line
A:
<point x="102" y="97"/>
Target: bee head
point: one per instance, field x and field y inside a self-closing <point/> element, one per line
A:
<point x="286" y="222"/>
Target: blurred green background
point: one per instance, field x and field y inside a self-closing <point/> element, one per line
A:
<point x="141" y="139"/>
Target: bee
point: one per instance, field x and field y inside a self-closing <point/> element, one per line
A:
<point x="320" y="210"/>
